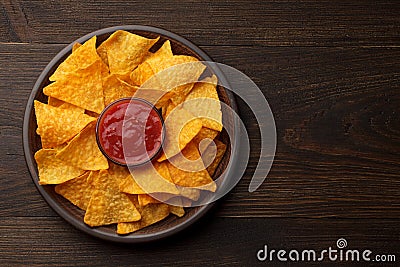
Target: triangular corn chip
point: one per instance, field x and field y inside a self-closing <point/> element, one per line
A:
<point x="53" y="170"/>
<point x="125" y="51"/>
<point x="75" y="46"/>
<point x="144" y="71"/>
<point x="115" y="88"/>
<point x="78" y="191"/>
<point x="151" y="214"/>
<point x="177" y="210"/>
<point x="152" y="180"/>
<point x="199" y="104"/>
<point x="176" y="138"/>
<point x="82" y="88"/>
<point x="187" y="178"/>
<point x="56" y="125"/>
<point x="107" y="204"/>
<point x="204" y="138"/>
<point x="61" y="104"/>
<point x="145" y="200"/>
<point x="81" y="58"/>
<point x="83" y="151"/>
<point x="221" y="148"/>
<point x="167" y="78"/>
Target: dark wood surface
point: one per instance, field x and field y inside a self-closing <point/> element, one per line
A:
<point x="330" y="71"/>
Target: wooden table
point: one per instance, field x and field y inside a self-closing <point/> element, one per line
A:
<point x="330" y="71"/>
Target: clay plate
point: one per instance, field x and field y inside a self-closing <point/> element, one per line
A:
<point x="72" y="214"/>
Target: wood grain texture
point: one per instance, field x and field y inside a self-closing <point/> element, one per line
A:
<point x="51" y="242"/>
<point x="237" y="22"/>
<point x="336" y="111"/>
<point x="330" y="71"/>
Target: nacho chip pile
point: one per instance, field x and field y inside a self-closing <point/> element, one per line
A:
<point x="82" y="86"/>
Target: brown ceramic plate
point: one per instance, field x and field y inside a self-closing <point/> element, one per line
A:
<point x="72" y="214"/>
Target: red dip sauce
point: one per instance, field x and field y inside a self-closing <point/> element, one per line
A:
<point x="138" y="122"/>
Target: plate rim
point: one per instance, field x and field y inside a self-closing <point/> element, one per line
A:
<point x="80" y="225"/>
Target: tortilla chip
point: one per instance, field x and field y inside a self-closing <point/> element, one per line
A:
<point x="83" y="151"/>
<point x="128" y="185"/>
<point x="114" y="88"/>
<point x="189" y="193"/>
<point x="107" y="204"/>
<point x="199" y="104"/>
<point x="221" y="148"/>
<point x="177" y="210"/>
<point x="152" y="180"/>
<point x="145" y="200"/>
<point x="144" y="71"/>
<point x="102" y="52"/>
<point x="166" y="78"/>
<point x="61" y="104"/>
<point x="203" y="139"/>
<point x="81" y="58"/>
<point x="56" y="125"/>
<point x="181" y="201"/>
<point x="92" y="114"/>
<point x="188" y="178"/>
<point x="125" y="51"/>
<point x="126" y="77"/>
<point x="75" y="46"/>
<point x="169" y="108"/>
<point x="53" y="170"/>
<point x="151" y="214"/>
<point x="175" y="138"/>
<point x="54" y="102"/>
<point x="179" y="96"/>
<point x="82" y="88"/>
<point x="165" y="51"/>
<point x="78" y="191"/>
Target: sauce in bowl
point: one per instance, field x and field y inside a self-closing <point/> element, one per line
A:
<point x="129" y="131"/>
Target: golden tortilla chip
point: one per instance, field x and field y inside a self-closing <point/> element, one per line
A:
<point x="221" y="148"/>
<point x="125" y="51"/>
<point x="167" y="78"/>
<point x="82" y="88"/>
<point x="61" y="104"/>
<point x="152" y="180"/>
<point x="144" y="71"/>
<point x="83" y="151"/>
<point x="177" y="210"/>
<point x="81" y="58"/>
<point x="145" y="200"/>
<point x="114" y="88"/>
<point x="204" y="138"/>
<point x="54" y="102"/>
<point x="187" y="178"/>
<point x="199" y="104"/>
<point x="181" y="201"/>
<point x="189" y="193"/>
<point x="102" y="52"/>
<point x="126" y="77"/>
<point x="56" y="125"/>
<point x="179" y="96"/>
<point x="128" y="185"/>
<point x="119" y="172"/>
<point x="165" y="51"/>
<point x="177" y="137"/>
<point x="168" y="109"/>
<point x="78" y="191"/>
<point x="53" y="170"/>
<point x="75" y="46"/>
<point x="151" y="214"/>
<point x="107" y="204"/>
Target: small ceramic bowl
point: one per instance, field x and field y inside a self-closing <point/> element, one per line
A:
<point x="131" y="102"/>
